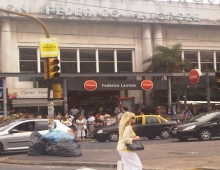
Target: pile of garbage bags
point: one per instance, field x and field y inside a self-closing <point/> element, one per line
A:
<point x="56" y="143"/>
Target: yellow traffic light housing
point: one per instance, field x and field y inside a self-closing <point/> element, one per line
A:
<point x="53" y="68"/>
<point x="45" y="70"/>
<point x="57" y="92"/>
<point x="217" y="74"/>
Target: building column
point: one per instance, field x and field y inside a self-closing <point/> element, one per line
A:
<point x="5" y="54"/>
<point x="147" y="48"/>
<point x="158" y="35"/>
<point x="147" y="51"/>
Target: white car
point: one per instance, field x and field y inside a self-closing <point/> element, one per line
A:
<point x="15" y="135"/>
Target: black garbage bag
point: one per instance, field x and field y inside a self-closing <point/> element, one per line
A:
<point x="51" y="149"/>
<point x="65" y="148"/>
<point x="37" y="144"/>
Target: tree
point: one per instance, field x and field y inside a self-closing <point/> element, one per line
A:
<point x="166" y="59"/>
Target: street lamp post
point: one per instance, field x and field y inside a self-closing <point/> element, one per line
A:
<point x="49" y="81"/>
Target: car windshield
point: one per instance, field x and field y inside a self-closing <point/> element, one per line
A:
<point x="5" y="125"/>
<point x="205" y="117"/>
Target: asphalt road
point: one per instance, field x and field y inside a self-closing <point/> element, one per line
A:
<point x="25" y="167"/>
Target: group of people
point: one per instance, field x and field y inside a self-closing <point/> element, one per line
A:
<point x="82" y="124"/>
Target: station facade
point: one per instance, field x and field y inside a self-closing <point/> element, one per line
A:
<point x="105" y="36"/>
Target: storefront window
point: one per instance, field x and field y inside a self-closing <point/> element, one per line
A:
<point x="192" y="56"/>
<point x="106" y="61"/>
<point x="28" y="60"/>
<point x="124" y="60"/>
<point x="87" y="61"/>
<point x="68" y="61"/>
<point x="207" y="60"/>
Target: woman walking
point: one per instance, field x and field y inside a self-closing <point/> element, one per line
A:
<point x="129" y="159"/>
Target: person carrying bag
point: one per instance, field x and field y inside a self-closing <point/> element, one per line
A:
<point x="127" y="137"/>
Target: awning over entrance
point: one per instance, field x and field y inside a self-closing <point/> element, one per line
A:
<point x="34" y="102"/>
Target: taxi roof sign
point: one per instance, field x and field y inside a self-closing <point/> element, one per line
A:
<point x="48" y="47"/>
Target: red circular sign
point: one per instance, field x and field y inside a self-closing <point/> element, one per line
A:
<point x="147" y="84"/>
<point x="194" y="76"/>
<point x="90" y="85"/>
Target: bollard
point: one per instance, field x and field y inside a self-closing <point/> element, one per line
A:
<point x="119" y="165"/>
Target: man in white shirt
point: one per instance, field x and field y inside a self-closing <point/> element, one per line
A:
<point x="90" y="121"/>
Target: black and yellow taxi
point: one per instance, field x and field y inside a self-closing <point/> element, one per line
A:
<point x="149" y="126"/>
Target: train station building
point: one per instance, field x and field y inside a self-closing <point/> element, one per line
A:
<point x="105" y="36"/>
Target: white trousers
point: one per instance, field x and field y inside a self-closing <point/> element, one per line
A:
<point x="130" y="160"/>
<point x="81" y="132"/>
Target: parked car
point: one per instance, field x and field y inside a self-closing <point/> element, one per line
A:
<point x="15" y="135"/>
<point x="203" y="127"/>
<point x="149" y="126"/>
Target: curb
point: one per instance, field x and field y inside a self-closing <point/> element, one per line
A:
<point x="62" y="163"/>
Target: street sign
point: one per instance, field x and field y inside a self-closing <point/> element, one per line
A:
<point x="90" y="85"/>
<point x="147" y="85"/>
<point x="194" y="76"/>
<point x="48" y="47"/>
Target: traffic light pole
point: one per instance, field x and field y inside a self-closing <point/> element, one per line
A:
<point x="49" y="81"/>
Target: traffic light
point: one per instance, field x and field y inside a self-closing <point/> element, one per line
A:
<point x="217" y="74"/>
<point x="45" y="70"/>
<point x="57" y="91"/>
<point x="53" y="68"/>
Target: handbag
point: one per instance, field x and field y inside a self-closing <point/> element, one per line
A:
<point x="135" y="146"/>
<point x="84" y="127"/>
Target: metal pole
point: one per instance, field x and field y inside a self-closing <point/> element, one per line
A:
<point x="5" y="104"/>
<point x="49" y="82"/>
<point x="184" y="92"/>
<point x="31" y="17"/>
<point x="208" y="92"/>
<point x="65" y="96"/>
<point x="144" y="94"/>
<point x="169" y="94"/>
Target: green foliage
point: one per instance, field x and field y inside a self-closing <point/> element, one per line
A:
<point x="166" y="59"/>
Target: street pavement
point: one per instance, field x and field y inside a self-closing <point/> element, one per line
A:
<point x="158" y="155"/>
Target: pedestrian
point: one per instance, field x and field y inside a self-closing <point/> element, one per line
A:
<point x="130" y="159"/>
<point x="90" y="121"/>
<point x="98" y="123"/>
<point x="187" y="115"/>
<point x="66" y="121"/>
<point x="81" y="127"/>
<point x="117" y="110"/>
<point x="124" y="110"/>
<point x="74" y="111"/>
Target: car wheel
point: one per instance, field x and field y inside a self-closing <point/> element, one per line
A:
<point x="205" y="134"/>
<point x="164" y="134"/>
<point x="182" y="139"/>
<point x="151" y="137"/>
<point x="113" y="137"/>
<point x="101" y="140"/>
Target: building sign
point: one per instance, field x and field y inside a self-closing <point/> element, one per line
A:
<point x="111" y="13"/>
<point x="48" y="47"/>
<point x="90" y="85"/>
<point x="28" y="93"/>
<point x="147" y="85"/>
<point x="194" y="76"/>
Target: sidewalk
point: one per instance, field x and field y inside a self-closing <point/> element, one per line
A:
<point x="174" y="156"/>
